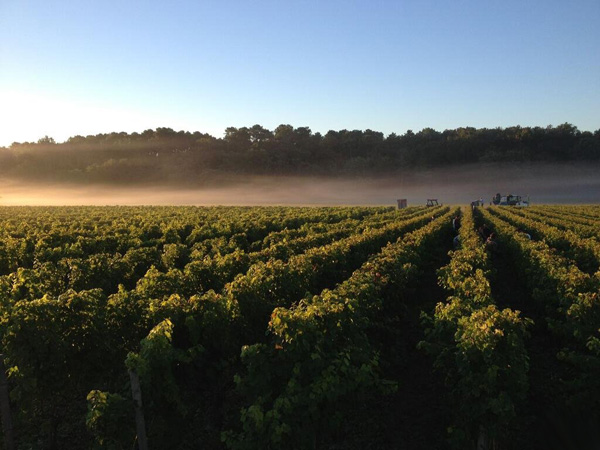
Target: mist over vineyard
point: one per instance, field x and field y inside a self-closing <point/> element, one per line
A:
<point x="544" y="183"/>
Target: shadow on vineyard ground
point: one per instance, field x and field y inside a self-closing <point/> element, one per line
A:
<point x="416" y="416"/>
<point x="542" y="421"/>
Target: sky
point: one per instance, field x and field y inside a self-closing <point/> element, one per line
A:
<point x="87" y="67"/>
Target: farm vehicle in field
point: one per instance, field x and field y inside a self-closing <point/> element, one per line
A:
<point x="511" y="200"/>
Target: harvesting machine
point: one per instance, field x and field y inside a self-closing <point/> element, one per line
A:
<point x="511" y="200"/>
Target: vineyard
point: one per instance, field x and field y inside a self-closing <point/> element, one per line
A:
<point x="300" y="328"/>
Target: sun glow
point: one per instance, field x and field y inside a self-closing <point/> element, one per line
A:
<point x="28" y="116"/>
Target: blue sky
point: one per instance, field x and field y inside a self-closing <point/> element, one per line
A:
<point x="87" y="67"/>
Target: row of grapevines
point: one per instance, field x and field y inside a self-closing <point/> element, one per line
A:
<point x="60" y="343"/>
<point x="221" y="245"/>
<point x="183" y="347"/>
<point x="585" y="251"/>
<point x="107" y="271"/>
<point x="558" y="220"/>
<point x="29" y="236"/>
<point x="286" y="235"/>
<point x="213" y="273"/>
<point x="570" y="299"/>
<point x="479" y="347"/>
<point x="578" y="212"/>
<point x="319" y="353"/>
<point x="82" y="337"/>
<point x="272" y="283"/>
<point x="276" y="283"/>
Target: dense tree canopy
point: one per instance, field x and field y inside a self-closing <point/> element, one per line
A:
<point x="167" y="155"/>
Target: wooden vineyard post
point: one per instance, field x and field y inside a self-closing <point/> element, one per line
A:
<point x="7" y="428"/>
<point x="484" y="442"/>
<point x="140" y="425"/>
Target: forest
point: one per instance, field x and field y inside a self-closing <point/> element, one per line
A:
<point x="167" y="156"/>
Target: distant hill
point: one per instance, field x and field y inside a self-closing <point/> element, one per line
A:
<point x="191" y="159"/>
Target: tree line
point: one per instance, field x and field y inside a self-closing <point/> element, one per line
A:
<point x="187" y="157"/>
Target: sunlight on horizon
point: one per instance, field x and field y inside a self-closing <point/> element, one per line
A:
<point x="27" y="117"/>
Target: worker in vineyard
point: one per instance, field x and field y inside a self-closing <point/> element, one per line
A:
<point x="490" y="243"/>
<point x="525" y="233"/>
<point x="484" y="232"/>
<point x="456" y="241"/>
<point x="456" y="223"/>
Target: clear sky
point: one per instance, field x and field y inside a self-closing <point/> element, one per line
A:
<point x="87" y="66"/>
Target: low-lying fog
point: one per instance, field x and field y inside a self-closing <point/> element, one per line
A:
<point x="550" y="183"/>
